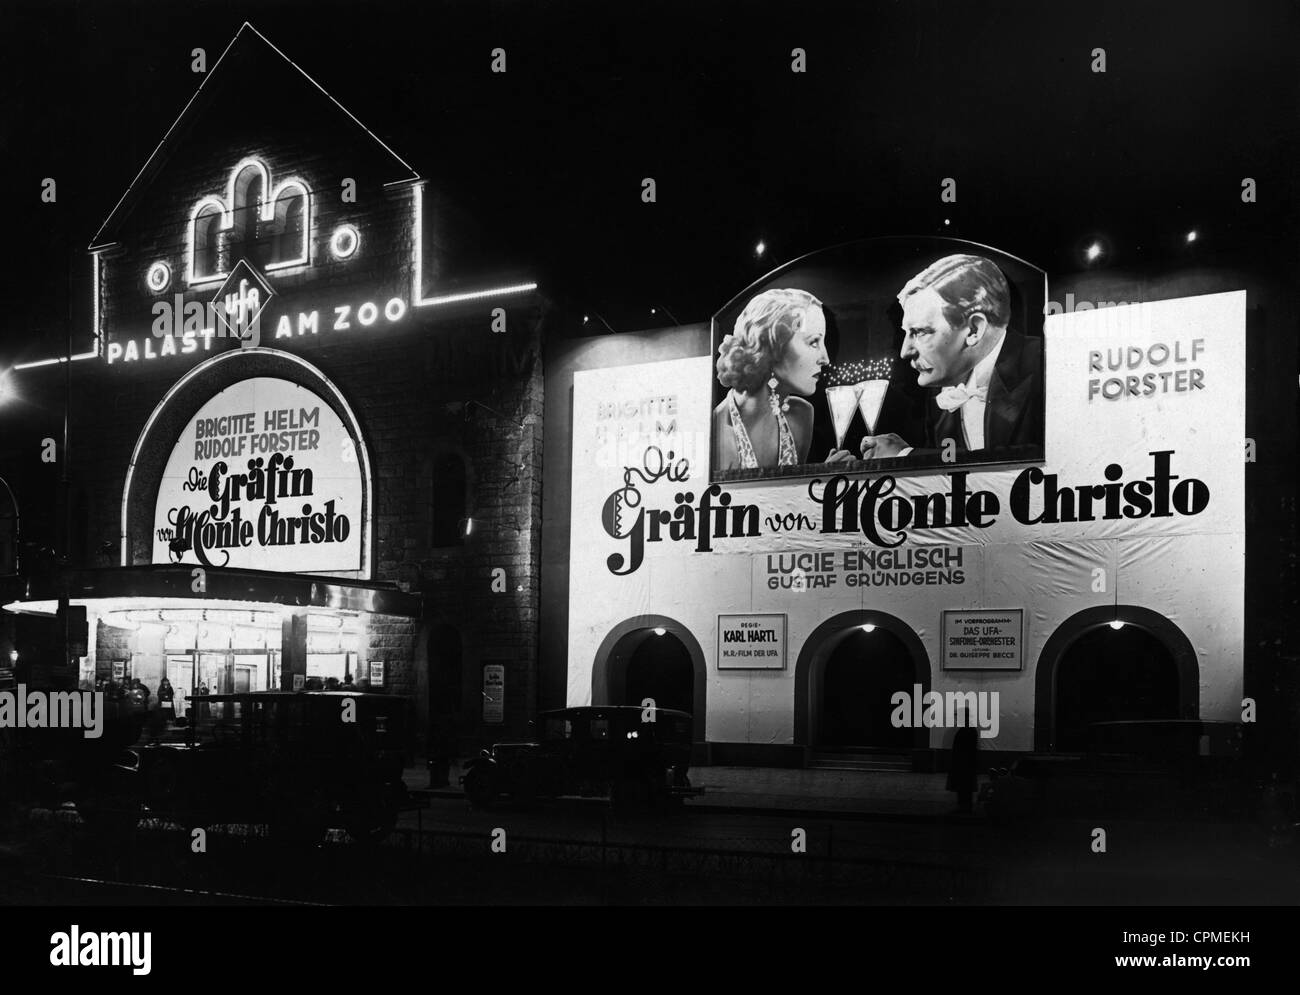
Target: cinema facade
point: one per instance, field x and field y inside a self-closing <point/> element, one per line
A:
<point x="304" y="444"/>
<point x="1092" y="567"/>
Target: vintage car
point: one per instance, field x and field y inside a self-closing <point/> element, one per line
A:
<point x="638" y="757"/>
<point x="300" y="762"/>
<point x="1175" y="768"/>
<point x="46" y="767"/>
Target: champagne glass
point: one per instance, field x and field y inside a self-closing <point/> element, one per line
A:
<point x="843" y="401"/>
<point x="871" y="397"/>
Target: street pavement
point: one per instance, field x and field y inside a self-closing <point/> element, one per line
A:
<point x="757" y="835"/>
<point x="886" y="794"/>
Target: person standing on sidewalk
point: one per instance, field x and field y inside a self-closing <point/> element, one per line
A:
<point x="167" y="701"/>
<point x="963" y="763"/>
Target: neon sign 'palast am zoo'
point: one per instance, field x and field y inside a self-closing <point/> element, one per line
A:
<point x="183" y="328"/>
<point x="282" y="207"/>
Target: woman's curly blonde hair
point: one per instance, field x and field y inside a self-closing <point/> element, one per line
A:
<point x="763" y="330"/>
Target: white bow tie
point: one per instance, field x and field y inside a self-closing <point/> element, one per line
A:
<point x="952" y="398"/>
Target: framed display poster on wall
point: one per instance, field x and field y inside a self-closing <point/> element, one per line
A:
<point x="983" y="640"/>
<point x="751" y="642"/>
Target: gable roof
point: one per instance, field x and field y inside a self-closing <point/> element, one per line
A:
<point x="249" y="50"/>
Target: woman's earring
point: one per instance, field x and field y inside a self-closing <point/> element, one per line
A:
<point x="773" y="397"/>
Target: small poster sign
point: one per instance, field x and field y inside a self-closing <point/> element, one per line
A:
<point x="751" y="642"/>
<point x="983" y="640"/>
<point x="494" y="693"/>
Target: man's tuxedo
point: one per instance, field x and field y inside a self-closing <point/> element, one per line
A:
<point x="1013" y="414"/>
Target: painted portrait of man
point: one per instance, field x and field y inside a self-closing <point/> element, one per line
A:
<point x="957" y="336"/>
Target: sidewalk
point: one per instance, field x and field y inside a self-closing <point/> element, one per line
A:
<point x="880" y="794"/>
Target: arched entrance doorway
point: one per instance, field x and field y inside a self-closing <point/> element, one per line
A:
<point x="660" y="669"/>
<point x="652" y="656"/>
<point x="847" y="671"/>
<point x="1090" y="671"/>
<point x="1111" y="675"/>
<point x="862" y="674"/>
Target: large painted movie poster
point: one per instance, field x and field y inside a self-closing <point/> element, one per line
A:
<point x="265" y="476"/>
<point x="898" y="354"/>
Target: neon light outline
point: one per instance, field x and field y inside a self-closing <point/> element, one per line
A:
<point x="94" y="353"/>
<point x="417" y="267"/>
<point x="266" y="212"/>
<point x="158" y="267"/>
<point x="95" y="246"/>
<point x="338" y="253"/>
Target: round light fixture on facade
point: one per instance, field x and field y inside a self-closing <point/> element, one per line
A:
<point x="159" y="277"/>
<point x="659" y="631"/>
<point x="1116" y="625"/>
<point x="868" y="628"/>
<point x="344" y="241"/>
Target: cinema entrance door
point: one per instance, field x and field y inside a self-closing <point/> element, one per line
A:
<point x="1112" y="664"/>
<point x="847" y="672"/>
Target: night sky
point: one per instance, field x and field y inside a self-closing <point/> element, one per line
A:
<point x="700" y="96"/>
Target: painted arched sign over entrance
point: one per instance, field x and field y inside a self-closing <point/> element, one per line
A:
<point x="264" y="476"/>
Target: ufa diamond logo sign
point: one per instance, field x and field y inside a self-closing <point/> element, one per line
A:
<point x="239" y="303"/>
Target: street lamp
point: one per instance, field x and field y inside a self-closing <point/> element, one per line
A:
<point x="8" y="538"/>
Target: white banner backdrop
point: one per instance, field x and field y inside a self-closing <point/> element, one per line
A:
<point x="1145" y="413"/>
<point x="265" y="476"/>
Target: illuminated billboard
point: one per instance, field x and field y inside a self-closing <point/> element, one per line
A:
<point x="898" y="354"/>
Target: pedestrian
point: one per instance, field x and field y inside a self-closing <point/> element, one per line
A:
<point x="963" y="762"/>
<point x="167" y="701"/>
<point x="139" y="696"/>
